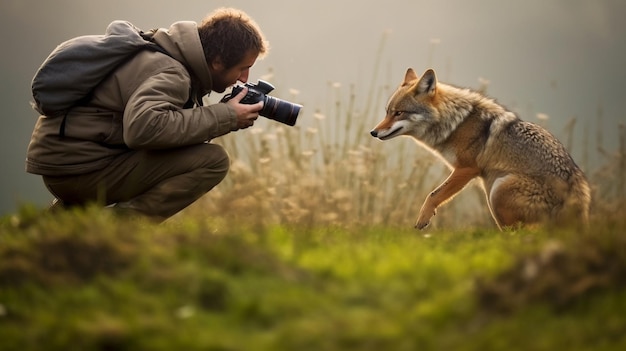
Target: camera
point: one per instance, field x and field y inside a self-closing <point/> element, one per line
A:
<point x="273" y="108"/>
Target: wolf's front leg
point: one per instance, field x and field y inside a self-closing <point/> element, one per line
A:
<point x="444" y="192"/>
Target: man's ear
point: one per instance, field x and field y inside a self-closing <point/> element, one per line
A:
<point x="217" y="64"/>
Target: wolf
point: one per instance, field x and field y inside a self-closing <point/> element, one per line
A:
<point x="528" y="177"/>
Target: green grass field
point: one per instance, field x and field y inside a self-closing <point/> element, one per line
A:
<point x="87" y="280"/>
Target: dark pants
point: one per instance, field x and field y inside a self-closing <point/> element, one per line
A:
<point x="157" y="183"/>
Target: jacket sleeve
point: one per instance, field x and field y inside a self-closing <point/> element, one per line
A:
<point x="154" y="117"/>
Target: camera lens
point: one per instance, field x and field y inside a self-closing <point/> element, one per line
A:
<point x="280" y="110"/>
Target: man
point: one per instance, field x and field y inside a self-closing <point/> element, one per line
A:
<point x="143" y="142"/>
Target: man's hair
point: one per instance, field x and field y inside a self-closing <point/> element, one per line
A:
<point x="230" y="34"/>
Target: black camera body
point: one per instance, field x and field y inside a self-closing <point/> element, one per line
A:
<point x="273" y="108"/>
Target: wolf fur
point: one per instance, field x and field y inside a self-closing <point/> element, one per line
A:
<point x="527" y="175"/>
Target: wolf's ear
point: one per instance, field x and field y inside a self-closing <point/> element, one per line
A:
<point x="427" y="84"/>
<point x="409" y="77"/>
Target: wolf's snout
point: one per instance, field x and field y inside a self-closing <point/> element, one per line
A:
<point x="374" y="133"/>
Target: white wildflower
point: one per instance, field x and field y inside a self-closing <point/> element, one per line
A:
<point x="270" y="136"/>
<point x="483" y="81"/>
<point x="542" y="116"/>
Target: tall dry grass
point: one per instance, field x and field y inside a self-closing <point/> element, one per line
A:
<point x="328" y="170"/>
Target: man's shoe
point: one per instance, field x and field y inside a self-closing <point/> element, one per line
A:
<point x="56" y="205"/>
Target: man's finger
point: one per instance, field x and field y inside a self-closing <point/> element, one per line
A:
<point x="257" y="107"/>
<point x="237" y="98"/>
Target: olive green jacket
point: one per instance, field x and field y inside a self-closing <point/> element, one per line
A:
<point x="141" y="105"/>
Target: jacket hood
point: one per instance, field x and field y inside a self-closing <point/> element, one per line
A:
<point x="181" y="40"/>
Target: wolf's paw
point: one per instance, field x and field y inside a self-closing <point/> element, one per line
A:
<point x="424" y="219"/>
<point x="421" y="225"/>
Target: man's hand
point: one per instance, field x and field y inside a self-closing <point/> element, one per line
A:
<point x="246" y="114"/>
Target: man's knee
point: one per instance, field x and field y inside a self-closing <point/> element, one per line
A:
<point x="214" y="166"/>
<point x="216" y="158"/>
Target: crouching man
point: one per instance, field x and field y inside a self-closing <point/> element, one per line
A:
<point x="142" y="141"/>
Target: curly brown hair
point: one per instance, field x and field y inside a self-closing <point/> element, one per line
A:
<point x="229" y="34"/>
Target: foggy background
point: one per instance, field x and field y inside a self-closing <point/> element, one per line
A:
<point x="560" y="58"/>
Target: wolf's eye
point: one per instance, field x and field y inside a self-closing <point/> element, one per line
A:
<point x="397" y="113"/>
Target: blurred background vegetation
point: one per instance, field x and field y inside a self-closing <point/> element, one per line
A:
<point x="331" y="171"/>
<point x="559" y="59"/>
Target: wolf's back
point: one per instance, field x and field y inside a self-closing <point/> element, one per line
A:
<point x="534" y="150"/>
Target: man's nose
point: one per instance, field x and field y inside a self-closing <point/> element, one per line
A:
<point x="243" y="77"/>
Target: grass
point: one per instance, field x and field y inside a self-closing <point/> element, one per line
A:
<point x="308" y="245"/>
<point x="91" y="281"/>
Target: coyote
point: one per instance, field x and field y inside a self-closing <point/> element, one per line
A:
<point x="527" y="175"/>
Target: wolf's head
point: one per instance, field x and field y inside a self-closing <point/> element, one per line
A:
<point x="411" y="109"/>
